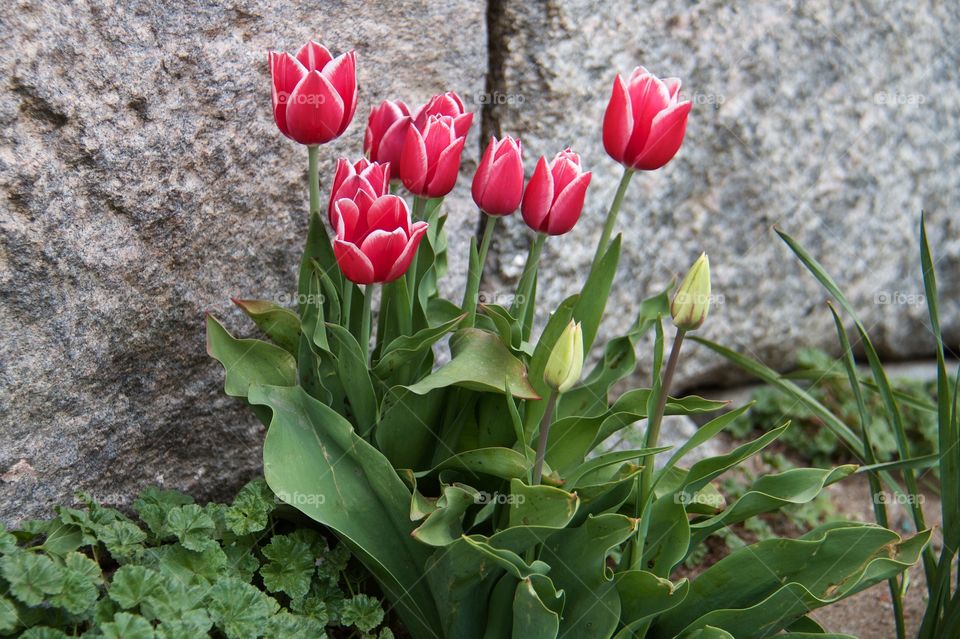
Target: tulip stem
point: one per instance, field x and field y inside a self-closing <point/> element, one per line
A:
<point x="544" y="434"/>
<point x="419" y="208"/>
<point x="522" y="301"/>
<point x="611" y="221"/>
<point x="470" y="296"/>
<point x="346" y="303"/>
<point x="313" y="174"/>
<point x="365" y="318"/>
<point x="653" y="435"/>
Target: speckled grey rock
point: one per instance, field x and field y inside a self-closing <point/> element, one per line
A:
<point x="144" y="182"/>
<point x="836" y="121"/>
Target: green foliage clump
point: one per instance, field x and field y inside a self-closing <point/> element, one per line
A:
<point x="829" y="385"/>
<point x="233" y="571"/>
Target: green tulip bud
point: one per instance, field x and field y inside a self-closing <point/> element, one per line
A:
<point x="566" y="360"/>
<point x="692" y="300"/>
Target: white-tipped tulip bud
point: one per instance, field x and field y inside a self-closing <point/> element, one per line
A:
<point x="566" y="360"/>
<point x="691" y="303"/>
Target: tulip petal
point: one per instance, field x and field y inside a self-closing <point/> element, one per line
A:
<point x="565" y="168"/>
<point x="391" y="143"/>
<point x="461" y="124"/>
<point x="538" y="196"/>
<point x="648" y="97"/>
<point x="383" y="248"/>
<point x="387" y="213"/>
<point x="402" y="263"/>
<point x="666" y="137"/>
<point x="315" y="110"/>
<point x="346" y="215"/>
<point x="568" y="206"/>
<point x="413" y="162"/>
<point x="502" y="193"/>
<point x="286" y="72"/>
<point x="342" y="73"/>
<point x="354" y="264"/>
<point x="617" y="121"/>
<point x="444" y="174"/>
<point x="673" y="86"/>
<point x="344" y="170"/>
<point x="482" y="177"/>
<point x="314" y="56"/>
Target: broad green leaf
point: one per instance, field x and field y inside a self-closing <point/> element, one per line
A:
<point x="444" y="525"/>
<point x="608" y="459"/>
<point x="314" y="461"/>
<point x="408" y="348"/>
<point x="540" y="505"/>
<point x="280" y="324"/>
<point x="780" y="580"/>
<point x="668" y="535"/>
<point x="405" y="433"/>
<point x="251" y="508"/>
<point x="362" y="612"/>
<point x="355" y="376"/>
<point x="480" y="362"/>
<point x="595" y="292"/>
<point x="577" y="559"/>
<point x="249" y="361"/>
<point x="291" y="626"/>
<point x="505" y="463"/>
<point x="318" y="250"/>
<point x="8" y="615"/>
<point x="532" y="618"/>
<point x="770" y="493"/>
<point x="79" y="592"/>
<point x="707" y="469"/>
<point x="644" y="595"/>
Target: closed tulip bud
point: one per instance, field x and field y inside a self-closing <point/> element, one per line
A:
<point x="691" y="303"/>
<point x="386" y="131"/>
<point x="448" y="104"/>
<point x="371" y="177"/>
<point x="645" y="121"/>
<point x="554" y="197"/>
<point x="565" y="363"/>
<point x="314" y="94"/>
<point x="498" y="182"/>
<point x="375" y="240"/>
<point x="430" y="159"/>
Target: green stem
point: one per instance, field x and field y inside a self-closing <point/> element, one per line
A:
<point x="419" y="208"/>
<point x="611" y="221"/>
<point x="314" y="176"/>
<point x="365" y="319"/>
<point x="522" y="299"/>
<point x="653" y="435"/>
<point x="476" y="274"/>
<point x="544" y="434"/>
<point x="345" y="305"/>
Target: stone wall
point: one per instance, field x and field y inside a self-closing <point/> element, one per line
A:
<point x="144" y="182"/>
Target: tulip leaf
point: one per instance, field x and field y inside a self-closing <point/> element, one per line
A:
<point x="540" y="505"/>
<point x="444" y="525"/>
<point x="532" y="618"/>
<point x="577" y="559"/>
<point x="409" y="347"/>
<point x="352" y="366"/>
<point x="480" y="362"/>
<point x="315" y="461"/>
<point x="644" y="595"/>
<point x="247" y="362"/>
<point x="781" y="580"/>
<point x="596" y="292"/>
<point x="506" y="325"/>
<point x="668" y="535"/>
<point x="504" y="463"/>
<point x="771" y="492"/>
<point x="318" y="249"/>
<point x="405" y="431"/>
<point x="280" y="324"/>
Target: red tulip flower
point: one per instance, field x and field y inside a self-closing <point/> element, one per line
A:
<point x="375" y="240"/>
<point x="372" y="178"/>
<point x="314" y="94"/>
<point x="448" y="103"/>
<point x="498" y="182"/>
<point x="386" y="131"/>
<point x="430" y="159"/>
<point x="645" y="121"/>
<point x="554" y="197"/>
